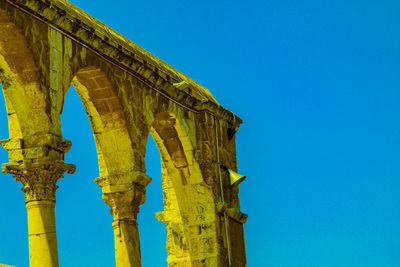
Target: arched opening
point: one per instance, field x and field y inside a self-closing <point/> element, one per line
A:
<point x="80" y="211"/>
<point x="26" y="116"/>
<point x="107" y="119"/>
<point x="13" y="230"/>
<point x="101" y="146"/>
<point x="186" y="215"/>
<point x="174" y="176"/>
<point x="152" y="232"/>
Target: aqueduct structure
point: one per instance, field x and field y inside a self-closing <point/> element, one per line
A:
<point x="45" y="45"/>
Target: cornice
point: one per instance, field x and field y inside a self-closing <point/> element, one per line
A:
<point x="123" y="53"/>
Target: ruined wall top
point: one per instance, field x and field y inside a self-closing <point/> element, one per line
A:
<point x="123" y="53"/>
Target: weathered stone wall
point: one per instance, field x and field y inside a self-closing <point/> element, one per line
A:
<point x="128" y="94"/>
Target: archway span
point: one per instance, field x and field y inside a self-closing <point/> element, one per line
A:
<point x="107" y="119"/>
<point x="152" y="232"/>
<point x="115" y="154"/>
<point x="80" y="212"/>
<point x="26" y="109"/>
<point x="187" y="214"/>
<point x="176" y="148"/>
<point x="19" y="76"/>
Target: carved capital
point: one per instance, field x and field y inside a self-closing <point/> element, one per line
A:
<point x="39" y="179"/>
<point x="125" y="204"/>
<point x="124" y="193"/>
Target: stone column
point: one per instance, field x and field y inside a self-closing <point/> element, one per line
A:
<point x="124" y="194"/>
<point x="39" y="181"/>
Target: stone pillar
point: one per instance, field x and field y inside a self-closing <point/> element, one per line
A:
<point x="124" y="194"/>
<point x="39" y="181"/>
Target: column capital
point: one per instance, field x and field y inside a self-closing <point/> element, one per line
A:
<point x="39" y="179"/>
<point x="124" y="193"/>
<point x="118" y="181"/>
<point x="125" y="204"/>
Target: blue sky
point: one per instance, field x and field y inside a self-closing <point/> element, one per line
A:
<point x="317" y="85"/>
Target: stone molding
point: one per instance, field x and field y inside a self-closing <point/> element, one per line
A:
<point x="113" y="181"/>
<point x="41" y="139"/>
<point x="41" y="146"/>
<point x="119" y="50"/>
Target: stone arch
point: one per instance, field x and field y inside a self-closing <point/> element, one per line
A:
<point x="107" y="119"/>
<point x="66" y="43"/>
<point x="121" y="178"/>
<point x="188" y="213"/>
<point x="36" y="148"/>
<point x="19" y="76"/>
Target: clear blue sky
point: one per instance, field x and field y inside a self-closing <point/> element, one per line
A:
<point x="317" y="84"/>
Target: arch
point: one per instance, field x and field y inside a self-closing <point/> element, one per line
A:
<point x="44" y="48"/>
<point x="188" y="209"/>
<point x="25" y="102"/>
<point x="121" y="167"/>
<point x="176" y="147"/>
<point x="107" y="119"/>
<point x="34" y="140"/>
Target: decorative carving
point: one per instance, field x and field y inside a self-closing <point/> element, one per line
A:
<point x="125" y="205"/>
<point x="39" y="179"/>
<point x="124" y="193"/>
